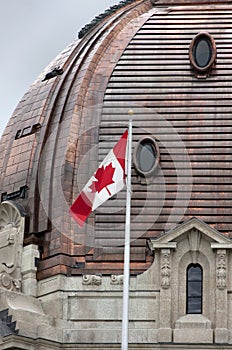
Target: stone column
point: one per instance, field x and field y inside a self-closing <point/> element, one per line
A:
<point x="221" y="331"/>
<point x="165" y="330"/>
<point x="28" y="269"/>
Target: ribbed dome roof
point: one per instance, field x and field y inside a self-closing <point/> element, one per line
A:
<point x="134" y="56"/>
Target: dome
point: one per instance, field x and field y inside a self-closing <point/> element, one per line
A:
<point x="141" y="55"/>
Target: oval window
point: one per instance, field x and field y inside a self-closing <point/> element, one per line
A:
<point x="202" y="54"/>
<point x="146" y="156"/>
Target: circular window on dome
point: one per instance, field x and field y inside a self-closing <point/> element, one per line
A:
<point x="146" y="156"/>
<point x="202" y="54"/>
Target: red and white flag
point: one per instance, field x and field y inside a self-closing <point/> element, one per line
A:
<point x="108" y="180"/>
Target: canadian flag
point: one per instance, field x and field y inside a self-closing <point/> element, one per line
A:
<point x="108" y="180"/>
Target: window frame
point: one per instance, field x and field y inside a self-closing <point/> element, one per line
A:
<point x="187" y="290"/>
<point x="202" y="72"/>
<point x="142" y="141"/>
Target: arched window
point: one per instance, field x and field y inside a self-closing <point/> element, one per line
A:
<point x="194" y="289"/>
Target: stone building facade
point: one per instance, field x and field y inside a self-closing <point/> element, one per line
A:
<point x="61" y="285"/>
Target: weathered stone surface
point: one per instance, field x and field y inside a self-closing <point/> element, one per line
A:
<point x="188" y="326"/>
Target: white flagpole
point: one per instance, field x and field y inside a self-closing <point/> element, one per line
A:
<point x="126" y="277"/>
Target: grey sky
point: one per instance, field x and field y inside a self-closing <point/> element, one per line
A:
<point x="32" y="33"/>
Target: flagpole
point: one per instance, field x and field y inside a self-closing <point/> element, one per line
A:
<point x="126" y="277"/>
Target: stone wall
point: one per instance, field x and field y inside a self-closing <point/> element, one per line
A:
<point x="86" y="311"/>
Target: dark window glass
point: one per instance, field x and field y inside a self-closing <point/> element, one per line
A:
<point x="194" y="273"/>
<point x="146" y="156"/>
<point x="194" y="289"/>
<point x="194" y="306"/>
<point x="202" y="52"/>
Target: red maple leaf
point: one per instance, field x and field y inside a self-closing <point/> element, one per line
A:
<point x="104" y="178"/>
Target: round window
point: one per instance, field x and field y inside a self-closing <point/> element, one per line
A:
<point x="202" y="53"/>
<point x="146" y="156"/>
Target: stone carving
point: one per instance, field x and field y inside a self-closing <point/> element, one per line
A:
<point x="165" y="268"/>
<point x="92" y="280"/>
<point x="116" y="280"/>
<point x="194" y="239"/>
<point x="8" y="282"/>
<point x="221" y="269"/>
<point x="11" y="245"/>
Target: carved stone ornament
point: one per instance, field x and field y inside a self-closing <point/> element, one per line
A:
<point x="165" y="268"/>
<point x="221" y="269"/>
<point x="92" y="280"/>
<point x="8" y="282"/>
<point x="11" y="245"/>
<point x="116" y="279"/>
<point x="194" y="239"/>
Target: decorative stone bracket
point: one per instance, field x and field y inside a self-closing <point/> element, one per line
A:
<point x="194" y="240"/>
<point x="92" y="280"/>
<point x="116" y="279"/>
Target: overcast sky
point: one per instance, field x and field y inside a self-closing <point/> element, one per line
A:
<point x="32" y="34"/>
